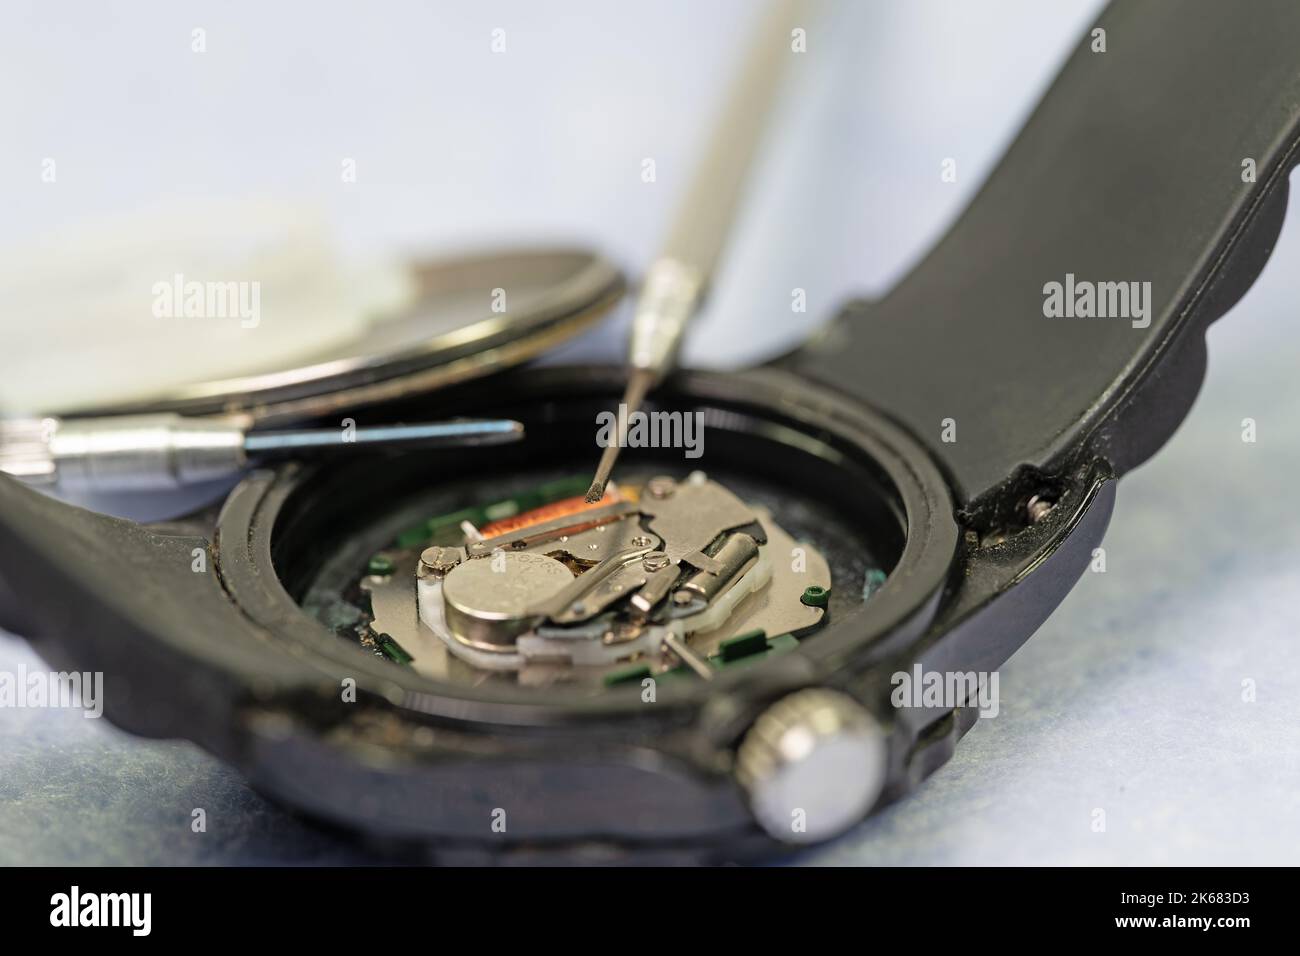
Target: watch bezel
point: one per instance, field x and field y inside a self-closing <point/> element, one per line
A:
<point x="263" y="505"/>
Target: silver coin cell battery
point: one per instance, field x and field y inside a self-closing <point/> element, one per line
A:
<point x="489" y="601"/>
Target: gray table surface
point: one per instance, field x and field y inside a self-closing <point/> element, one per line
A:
<point x="1128" y="700"/>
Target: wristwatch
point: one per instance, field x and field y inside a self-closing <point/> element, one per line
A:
<point x="449" y="651"/>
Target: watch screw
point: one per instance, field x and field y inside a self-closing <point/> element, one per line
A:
<point x="1038" y="508"/>
<point x="661" y="486"/>
<point x="654" y="561"/>
<point x="438" y="561"/>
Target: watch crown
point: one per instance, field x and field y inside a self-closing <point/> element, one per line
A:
<point x="812" y="765"/>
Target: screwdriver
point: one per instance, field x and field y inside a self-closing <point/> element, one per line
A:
<point x="675" y="283"/>
<point x="170" y="451"/>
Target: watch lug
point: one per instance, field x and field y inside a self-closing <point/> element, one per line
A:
<point x="1064" y="313"/>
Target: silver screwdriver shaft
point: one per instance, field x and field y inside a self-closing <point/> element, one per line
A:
<point x="169" y="451"/>
<point x="675" y="283"/>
